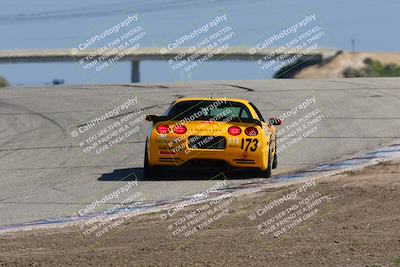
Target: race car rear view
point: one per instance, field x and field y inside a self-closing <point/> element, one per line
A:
<point x="210" y="133"/>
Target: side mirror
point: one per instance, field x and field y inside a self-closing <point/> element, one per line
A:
<point x="274" y="121"/>
<point x="151" y="117"/>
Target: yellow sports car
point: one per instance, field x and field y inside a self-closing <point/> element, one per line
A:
<point x="205" y="133"/>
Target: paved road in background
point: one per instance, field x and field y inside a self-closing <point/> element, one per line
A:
<point x="45" y="174"/>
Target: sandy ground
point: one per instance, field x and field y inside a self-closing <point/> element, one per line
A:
<point x="335" y="68"/>
<point x="355" y="222"/>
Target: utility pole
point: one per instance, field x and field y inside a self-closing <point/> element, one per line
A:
<point x="353" y="45"/>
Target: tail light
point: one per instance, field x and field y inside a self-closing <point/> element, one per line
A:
<point x="234" y="130"/>
<point x="179" y="129"/>
<point x="251" y="131"/>
<point x="162" y="129"/>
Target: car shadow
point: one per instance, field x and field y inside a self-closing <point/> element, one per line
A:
<point x="131" y="174"/>
<point x="122" y="175"/>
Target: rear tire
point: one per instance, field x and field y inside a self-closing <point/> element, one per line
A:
<point x="148" y="171"/>
<point x="275" y="162"/>
<point x="268" y="172"/>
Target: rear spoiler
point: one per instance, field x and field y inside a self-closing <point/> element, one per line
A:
<point x="155" y="119"/>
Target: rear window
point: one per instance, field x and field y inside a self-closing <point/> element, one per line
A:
<point x="204" y="110"/>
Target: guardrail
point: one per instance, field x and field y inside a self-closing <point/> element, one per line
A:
<point x="140" y="54"/>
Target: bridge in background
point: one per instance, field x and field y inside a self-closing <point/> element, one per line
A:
<point x="136" y="55"/>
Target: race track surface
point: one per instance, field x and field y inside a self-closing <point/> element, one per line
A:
<point x="45" y="174"/>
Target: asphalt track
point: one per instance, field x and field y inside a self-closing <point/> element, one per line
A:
<point x="45" y="174"/>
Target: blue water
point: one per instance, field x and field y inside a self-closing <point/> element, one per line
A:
<point x="27" y="24"/>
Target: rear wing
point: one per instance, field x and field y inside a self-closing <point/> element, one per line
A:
<point x="155" y="119"/>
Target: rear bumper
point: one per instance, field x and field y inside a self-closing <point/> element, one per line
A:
<point x="207" y="159"/>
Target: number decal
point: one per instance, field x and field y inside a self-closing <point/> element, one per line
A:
<point x="248" y="141"/>
<point x="254" y="147"/>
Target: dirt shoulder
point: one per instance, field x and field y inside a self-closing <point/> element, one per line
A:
<point x="335" y="68"/>
<point x="351" y="219"/>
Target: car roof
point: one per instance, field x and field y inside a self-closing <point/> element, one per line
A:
<point x="183" y="99"/>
